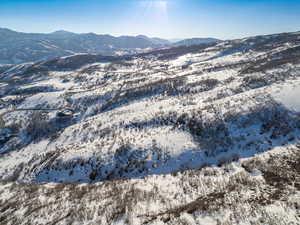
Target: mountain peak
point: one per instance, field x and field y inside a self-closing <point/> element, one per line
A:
<point x="142" y="36"/>
<point x="61" y="32"/>
<point x="2" y="29"/>
<point x="196" y="41"/>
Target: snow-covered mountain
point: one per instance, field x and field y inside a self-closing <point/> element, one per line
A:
<point x="17" y="47"/>
<point x="201" y="134"/>
<point x="196" y="41"/>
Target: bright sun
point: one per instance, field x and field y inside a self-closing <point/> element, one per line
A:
<point x="160" y="4"/>
<point x="155" y="4"/>
<point x="151" y="15"/>
<point x="157" y="9"/>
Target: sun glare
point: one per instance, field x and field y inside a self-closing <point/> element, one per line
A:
<point x="161" y="4"/>
<point x="157" y="9"/>
<point x="155" y="4"/>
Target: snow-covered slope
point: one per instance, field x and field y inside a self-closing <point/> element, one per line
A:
<point x="205" y="134"/>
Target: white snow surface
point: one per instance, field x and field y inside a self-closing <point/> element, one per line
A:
<point x="149" y="139"/>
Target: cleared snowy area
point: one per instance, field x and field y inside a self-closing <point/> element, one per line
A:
<point x="289" y="95"/>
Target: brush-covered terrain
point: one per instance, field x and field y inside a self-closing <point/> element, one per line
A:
<point x="202" y="134"/>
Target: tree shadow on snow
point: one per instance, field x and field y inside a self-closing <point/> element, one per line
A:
<point x="224" y="139"/>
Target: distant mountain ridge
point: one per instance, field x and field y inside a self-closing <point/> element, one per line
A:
<point x="196" y="41"/>
<point x="18" y="47"/>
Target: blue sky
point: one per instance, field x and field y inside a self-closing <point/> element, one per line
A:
<point x="225" y="19"/>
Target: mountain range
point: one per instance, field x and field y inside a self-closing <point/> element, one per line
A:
<point x="18" y="47"/>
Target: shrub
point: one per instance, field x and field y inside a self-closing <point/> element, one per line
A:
<point x="205" y="85"/>
<point x="254" y="81"/>
<point x="38" y="125"/>
<point x="227" y="160"/>
<point x="93" y="175"/>
<point x="2" y="122"/>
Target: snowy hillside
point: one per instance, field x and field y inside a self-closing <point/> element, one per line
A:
<point x="202" y="134"/>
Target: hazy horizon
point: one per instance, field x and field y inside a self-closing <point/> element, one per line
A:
<point x="149" y="36"/>
<point x="168" y="19"/>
